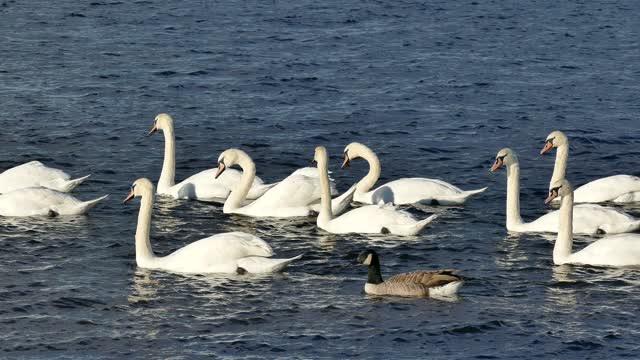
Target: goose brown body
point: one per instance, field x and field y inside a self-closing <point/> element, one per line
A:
<point x="415" y="283"/>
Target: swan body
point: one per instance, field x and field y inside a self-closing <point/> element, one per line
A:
<point x="234" y="252"/>
<point x="42" y="201"/>
<point x="296" y="195"/>
<point x="36" y="174"/>
<point x="421" y="283"/>
<point x="401" y="191"/>
<point x="587" y="218"/>
<point x="617" y="250"/>
<point x="203" y="186"/>
<point x="368" y="219"/>
<point x="616" y="188"/>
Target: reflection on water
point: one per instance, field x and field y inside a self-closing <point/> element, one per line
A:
<point x="510" y="252"/>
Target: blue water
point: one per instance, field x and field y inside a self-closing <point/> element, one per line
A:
<point x="436" y="88"/>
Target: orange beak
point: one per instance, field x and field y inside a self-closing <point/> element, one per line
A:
<point x="346" y="162"/>
<point x="129" y="197"/>
<point x="221" y="169"/>
<point x="547" y="146"/>
<point x="497" y="164"/>
<point x="552" y="196"/>
<point x="153" y="130"/>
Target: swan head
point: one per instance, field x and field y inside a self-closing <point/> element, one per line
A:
<point x="353" y="151"/>
<point x="368" y="257"/>
<point x="320" y="155"/>
<point x="229" y="158"/>
<point x="555" y="139"/>
<point x="139" y="187"/>
<point x="161" y="122"/>
<point x="505" y="157"/>
<point x="560" y="188"/>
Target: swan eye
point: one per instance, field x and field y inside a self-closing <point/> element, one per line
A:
<point x="550" y="141"/>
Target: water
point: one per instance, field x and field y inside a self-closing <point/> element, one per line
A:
<point x="435" y="88"/>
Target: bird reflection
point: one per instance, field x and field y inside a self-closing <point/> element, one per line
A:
<point x="510" y="252"/>
<point x="561" y="294"/>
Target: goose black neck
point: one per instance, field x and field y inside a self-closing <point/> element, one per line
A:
<point x="374" y="271"/>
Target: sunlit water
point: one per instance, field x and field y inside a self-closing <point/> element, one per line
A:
<point x="436" y="89"/>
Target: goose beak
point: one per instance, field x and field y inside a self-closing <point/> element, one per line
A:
<point x="346" y="162"/>
<point x="153" y="130"/>
<point x="129" y="197"/>
<point x="552" y="196"/>
<point x="547" y="146"/>
<point x="497" y="164"/>
<point x="221" y="169"/>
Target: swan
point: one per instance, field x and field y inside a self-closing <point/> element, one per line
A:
<point x="589" y="218"/>
<point x="234" y="252"/>
<point x="296" y="195"/>
<point x="433" y="283"/>
<point x="202" y="186"/>
<point x="368" y="219"/>
<point x="36" y="174"/>
<point x="401" y="191"/>
<point x="41" y="201"/>
<point x="617" y="250"/>
<point x="616" y="188"/>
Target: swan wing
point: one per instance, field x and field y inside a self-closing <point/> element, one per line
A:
<point x="608" y="188"/>
<point x="587" y="219"/>
<point x="413" y="190"/>
<point x="616" y="250"/>
<point x="370" y="219"/>
<point x="40" y="201"/>
<point x="204" y="186"/>
<point x="293" y="191"/>
<point x="31" y="174"/>
<point x="217" y="253"/>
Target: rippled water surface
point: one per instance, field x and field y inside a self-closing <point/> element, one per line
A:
<point x="435" y="88"/>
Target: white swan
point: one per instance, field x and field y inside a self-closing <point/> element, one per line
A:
<point x="368" y="219"/>
<point x="589" y="218"/>
<point x="41" y="201"/>
<point x="296" y="195"/>
<point x="234" y="252"/>
<point x="35" y="174"/>
<point x="616" y="188"/>
<point x="202" y="186"/>
<point x="618" y="250"/>
<point x="401" y="191"/>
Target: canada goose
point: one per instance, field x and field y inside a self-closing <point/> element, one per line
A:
<point x="433" y="283"/>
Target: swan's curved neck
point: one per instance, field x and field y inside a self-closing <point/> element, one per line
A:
<point x="168" y="174"/>
<point x="513" y="195"/>
<point x="143" y="244"/>
<point x="372" y="176"/>
<point x="374" y="276"/>
<point x="564" y="242"/>
<point x="239" y="193"/>
<point x="326" y="213"/>
<point x="560" y="166"/>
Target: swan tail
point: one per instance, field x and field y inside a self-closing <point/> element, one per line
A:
<point x="262" y="265"/>
<point x="69" y="185"/>
<point x="473" y="192"/>
<point x="633" y="226"/>
<point x="447" y="290"/>
<point x="411" y="229"/>
<point x="342" y="202"/>
<point x="87" y="205"/>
